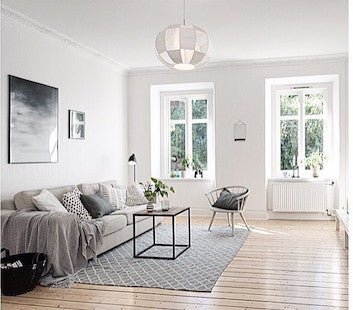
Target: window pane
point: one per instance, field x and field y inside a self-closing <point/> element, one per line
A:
<point x="177" y="110"/>
<point x="177" y="146"/>
<point x="289" y="104"/>
<point x="314" y="137"/>
<point x="199" y="109"/>
<point x="199" y="145"/>
<point x="289" y="143"/>
<point x="314" y="104"/>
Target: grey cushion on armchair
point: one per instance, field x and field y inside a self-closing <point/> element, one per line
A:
<point x="227" y="200"/>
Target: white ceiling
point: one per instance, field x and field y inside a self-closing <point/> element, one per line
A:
<point x="125" y="30"/>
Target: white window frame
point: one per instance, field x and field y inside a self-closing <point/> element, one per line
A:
<point x="301" y="90"/>
<point x="166" y="122"/>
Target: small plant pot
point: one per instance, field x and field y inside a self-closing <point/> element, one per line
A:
<point x="315" y="170"/>
<point x="150" y="206"/>
<point x="182" y="174"/>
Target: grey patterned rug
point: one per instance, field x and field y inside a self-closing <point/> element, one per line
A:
<point x="197" y="269"/>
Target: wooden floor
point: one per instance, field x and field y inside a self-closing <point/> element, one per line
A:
<point x="282" y="265"/>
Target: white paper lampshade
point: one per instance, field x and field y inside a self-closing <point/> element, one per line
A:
<point x="183" y="47"/>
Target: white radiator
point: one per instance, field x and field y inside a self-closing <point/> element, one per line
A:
<point x="299" y="196"/>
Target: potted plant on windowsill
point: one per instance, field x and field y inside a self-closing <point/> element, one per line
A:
<point x="155" y="190"/>
<point x="186" y="162"/>
<point x="315" y="161"/>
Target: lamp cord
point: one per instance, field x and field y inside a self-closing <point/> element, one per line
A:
<point x="184" y="13"/>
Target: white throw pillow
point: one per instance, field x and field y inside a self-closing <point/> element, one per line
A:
<point x="46" y="201"/>
<point x="135" y="195"/>
<point x="73" y="204"/>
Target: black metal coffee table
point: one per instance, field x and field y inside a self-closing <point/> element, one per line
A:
<point x="172" y="212"/>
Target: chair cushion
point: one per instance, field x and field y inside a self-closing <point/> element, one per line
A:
<point x="46" y="201"/>
<point x="129" y="211"/>
<point x="96" y="205"/>
<point x="113" y="223"/>
<point x="227" y="200"/>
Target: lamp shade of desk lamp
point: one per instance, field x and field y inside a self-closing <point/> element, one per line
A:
<point x="132" y="162"/>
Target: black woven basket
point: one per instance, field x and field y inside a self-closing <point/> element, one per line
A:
<point x="20" y="280"/>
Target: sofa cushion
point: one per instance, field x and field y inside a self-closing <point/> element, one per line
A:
<point x="46" y="201"/>
<point x="129" y="211"/>
<point x="114" y="222"/>
<point x="96" y="205"/>
<point x="23" y="200"/>
<point x="93" y="188"/>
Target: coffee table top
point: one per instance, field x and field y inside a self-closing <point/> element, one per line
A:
<point x="171" y="212"/>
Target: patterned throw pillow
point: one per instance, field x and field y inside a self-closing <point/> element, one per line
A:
<point x="121" y="196"/>
<point x="109" y="193"/>
<point x="73" y="204"/>
<point x="116" y="196"/>
<point x="135" y="195"/>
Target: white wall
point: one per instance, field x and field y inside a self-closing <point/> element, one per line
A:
<point x="86" y="84"/>
<point x="239" y="94"/>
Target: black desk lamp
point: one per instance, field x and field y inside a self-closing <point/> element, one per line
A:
<point x="132" y="162"/>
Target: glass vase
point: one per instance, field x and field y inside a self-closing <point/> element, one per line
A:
<point x="165" y="204"/>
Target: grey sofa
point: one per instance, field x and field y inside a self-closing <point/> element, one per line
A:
<point x="118" y="225"/>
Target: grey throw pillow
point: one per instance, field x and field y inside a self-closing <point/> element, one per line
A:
<point x="96" y="205"/>
<point x="227" y="200"/>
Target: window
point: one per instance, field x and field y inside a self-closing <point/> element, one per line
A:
<point x="187" y="131"/>
<point x="302" y="121"/>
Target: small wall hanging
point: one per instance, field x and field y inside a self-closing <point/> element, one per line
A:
<point x="77" y="125"/>
<point x="239" y="131"/>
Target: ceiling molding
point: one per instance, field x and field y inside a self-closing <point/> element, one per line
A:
<point x="212" y="66"/>
<point x="14" y="17"/>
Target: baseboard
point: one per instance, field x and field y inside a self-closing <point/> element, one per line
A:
<point x="299" y="216"/>
<point x="249" y="214"/>
<point x="266" y="215"/>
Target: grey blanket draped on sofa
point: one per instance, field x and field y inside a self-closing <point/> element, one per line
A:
<point x="68" y="241"/>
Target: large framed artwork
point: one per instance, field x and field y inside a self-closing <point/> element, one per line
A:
<point x="33" y="122"/>
<point x="76" y="125"/>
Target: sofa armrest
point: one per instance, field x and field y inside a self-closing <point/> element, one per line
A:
<point x="8" y="205"/>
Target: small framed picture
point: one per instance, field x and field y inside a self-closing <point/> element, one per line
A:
<point x="76" y="125"/>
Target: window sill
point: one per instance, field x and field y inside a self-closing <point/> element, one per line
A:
<point x="187" y="179"/>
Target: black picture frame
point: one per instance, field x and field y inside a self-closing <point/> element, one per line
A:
<point x="33" y="122"/>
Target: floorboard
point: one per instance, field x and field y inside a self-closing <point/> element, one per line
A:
<point x="282" y="265"/>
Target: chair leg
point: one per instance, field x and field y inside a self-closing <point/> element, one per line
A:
<point x="213" y="216"/>
<point x="228" y="219"/>
<point x="232" y="216"/>
<point x="244" y="220"/>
